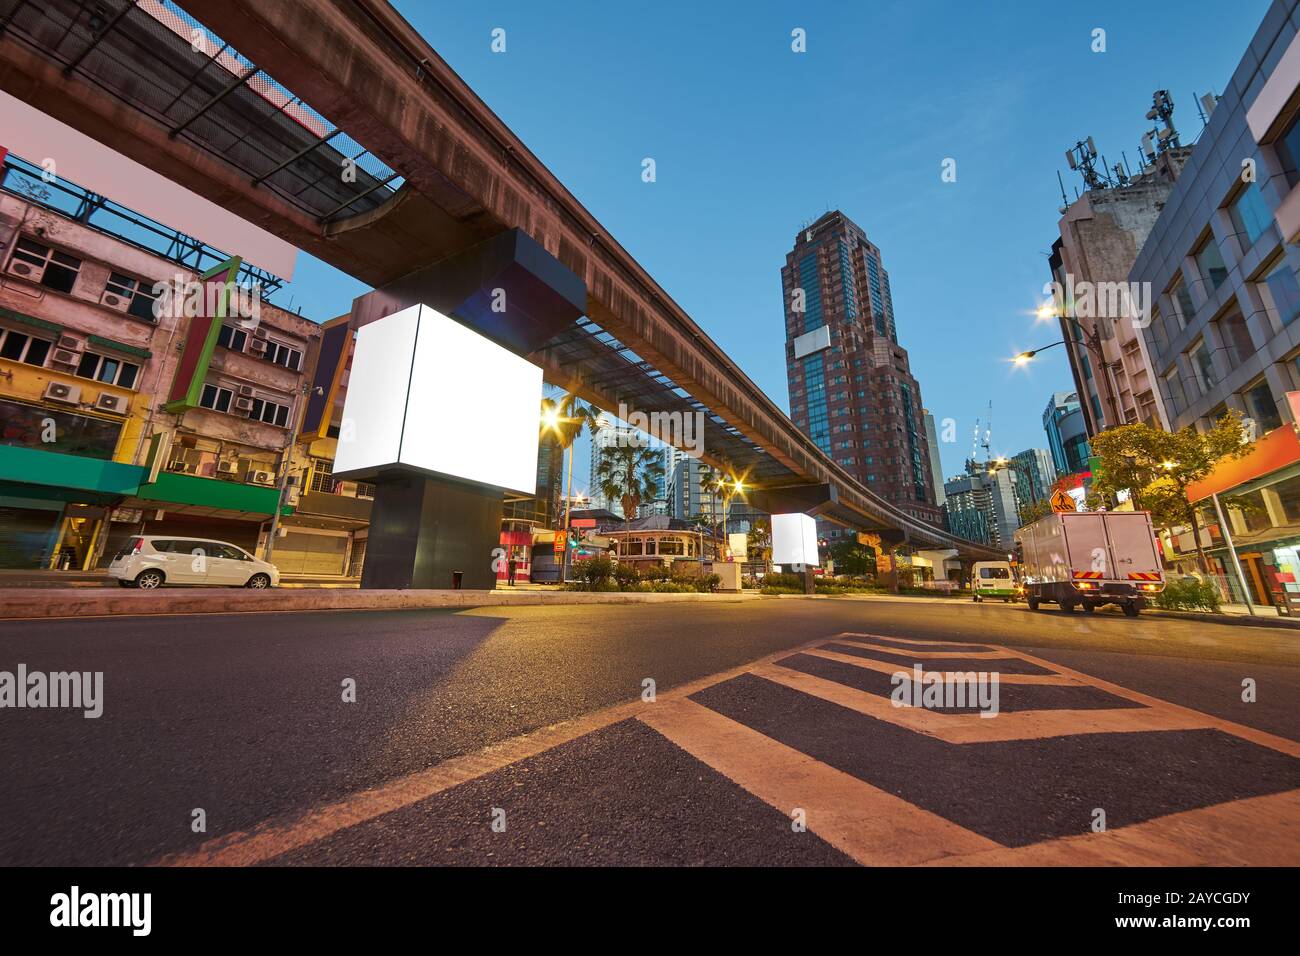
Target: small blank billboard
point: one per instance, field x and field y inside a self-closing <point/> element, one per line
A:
<point x="794" y="539"/>
<point x="430" y="395"/>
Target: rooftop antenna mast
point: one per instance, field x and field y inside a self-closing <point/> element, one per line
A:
<point x="1164" y="135"/>
<point x="1082" y="158"/>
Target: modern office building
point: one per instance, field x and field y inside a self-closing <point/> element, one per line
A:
<point x="1067" y="433"/>
<point x="936" y="463"/>
<point x="1222" y="262"/>
<point x="851" y="388"/>
<point x="1037" y="473"/>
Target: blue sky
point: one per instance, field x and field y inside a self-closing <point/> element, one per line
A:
<point x="751" y="140"/>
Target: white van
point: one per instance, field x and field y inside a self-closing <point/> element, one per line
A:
<point x="992" y="579"/>
<point x="150" y="561"/>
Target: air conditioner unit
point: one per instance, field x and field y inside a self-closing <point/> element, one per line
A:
<point x="261" y="477"/>
<point x="25" y="269"/>
<point x="114" y="301"/>
<point x="259" y="333"/>
<point x="117" y="404"/>
<point x="228" y="467"/>
<point x="64" y="357"/>
<point x="245" y="390"/>
<point x="257" y="345"/>
<point x="62" y="392"/>
<point x="71" y="342"/>
<point x="244" y="404"/>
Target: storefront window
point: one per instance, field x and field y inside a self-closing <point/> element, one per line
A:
<point x="1288" y="492"/>
<point x="49" y="429"/>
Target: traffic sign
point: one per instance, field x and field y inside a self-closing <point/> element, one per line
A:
<point x="1063" y="501"/>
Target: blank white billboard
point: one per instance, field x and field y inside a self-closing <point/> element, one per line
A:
<point x="794" y="539"/>
<point x="428" y="394"/>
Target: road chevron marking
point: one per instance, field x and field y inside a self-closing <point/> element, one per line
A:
<point x="1251" y="831"/>
<point x="1260" y="737"/>
<point x="276" y="837"/>
<point x="1209" y="721"/>
<point x="866" y="823"/>
<point x="871" y="826"/>
<point x="974" y="729"/>
<point x="926" y="655"/>
<point x="885" y="667"/>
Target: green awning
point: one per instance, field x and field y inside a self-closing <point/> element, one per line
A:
<point x="30" y="321"/>
<point x="211" y="493"/>
<point x="120" y="346"/>
<point x="36" y="469"/>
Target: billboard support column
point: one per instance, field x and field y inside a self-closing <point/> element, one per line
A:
<point x="431" y="533"/>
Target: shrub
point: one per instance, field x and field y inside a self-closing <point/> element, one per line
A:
<point x="626" y="575"/>
<point x="1188" y="595"/>
<point x="592" y="574"/>
<point x="656" y="572"/>
<point x="792" y="581"/>
<point x="707" y="583"/>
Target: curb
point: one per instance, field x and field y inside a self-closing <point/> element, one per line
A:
<point x="47" y="603"/>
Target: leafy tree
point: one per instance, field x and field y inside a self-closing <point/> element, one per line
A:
<point x="562" y="421"/>
<point x="760" y="540"/>
<point x="629" y="473"/>
<point x="1156" y="467"/>
<point x="1032" y="511"/>
<point x="850" y="557"/>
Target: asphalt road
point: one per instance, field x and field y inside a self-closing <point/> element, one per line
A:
<point x="243" y="717"/>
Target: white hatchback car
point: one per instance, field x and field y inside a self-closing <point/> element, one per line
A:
<point x="150" y="561"/>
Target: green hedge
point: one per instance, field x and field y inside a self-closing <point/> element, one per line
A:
<point x="602" y="574"/>
<point x="1188" y="596"/>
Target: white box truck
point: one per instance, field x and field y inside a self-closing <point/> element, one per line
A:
<point x="1090" y="558"/>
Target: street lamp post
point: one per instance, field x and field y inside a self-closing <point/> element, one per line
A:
<point x="1089" y="339"/>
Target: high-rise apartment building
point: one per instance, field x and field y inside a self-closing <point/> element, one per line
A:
<point x="1101" y="233"/>
<point x="984" y="504"/>
<point x="851" y="388"/>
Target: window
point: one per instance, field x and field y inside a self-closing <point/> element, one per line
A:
<point x="1284" y="290"/>
<point x="138" y="291"/>
<point x="108" y="370"/>
<point x="1202" y="366"/>
<point x="52" y="269"/>
<point x="1210" y="261"/>
<point x="216" y="398"/>
<point x="1174" y="388"/>
<point x="1262" y="408"/>
<point x="232" y="338"/>
<point x="1287" y="147"/>
<point x="1159" y="334"/>
<point x="281" y="354"/>
<point x="1236" y="338"/>
<point x="1184" y="310"/>
<point x="270" y="412"/>
<point x="1250" y="215"/>
<point x="20" y="347"/>
<point x="322" y="476"/>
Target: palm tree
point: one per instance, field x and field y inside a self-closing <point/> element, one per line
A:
<point x="563" y="420"/>
<point x="629" y="473"/>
